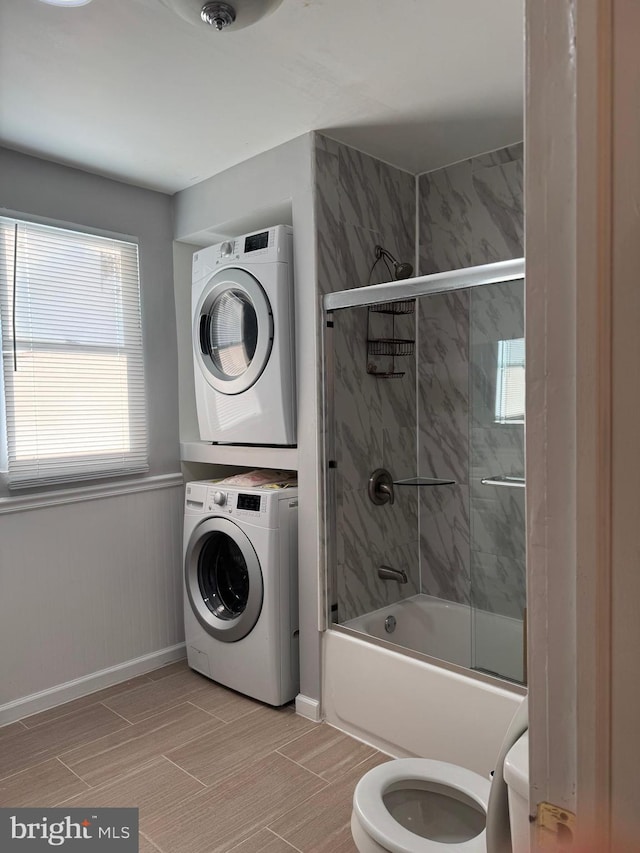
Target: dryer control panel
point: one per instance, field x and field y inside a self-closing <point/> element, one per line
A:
<point x="271" y="244"/>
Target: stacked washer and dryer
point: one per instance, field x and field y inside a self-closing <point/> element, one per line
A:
<point x="240" y="543"/>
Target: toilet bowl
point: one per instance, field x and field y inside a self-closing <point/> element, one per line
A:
<point x="417" y="805"/>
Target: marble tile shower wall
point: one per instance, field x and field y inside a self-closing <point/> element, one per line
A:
<point x="471" y="536"/>
<point x="362" y="202"/>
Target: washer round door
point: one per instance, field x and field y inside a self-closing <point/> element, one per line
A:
<point x="223" y="580"/>
<point x="233" y="331"/>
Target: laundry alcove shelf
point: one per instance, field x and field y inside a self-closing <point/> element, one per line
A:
<point x="250" y="456"/>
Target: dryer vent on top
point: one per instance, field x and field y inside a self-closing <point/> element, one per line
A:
<point x="243" y="339"/>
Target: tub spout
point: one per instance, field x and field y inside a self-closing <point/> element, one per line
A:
<point x="389" y="574"/>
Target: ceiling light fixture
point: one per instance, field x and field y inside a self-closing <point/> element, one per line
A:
<point x="228" y="16"/>
<point x="219" y="15"/>
<point x="66" y="2"/>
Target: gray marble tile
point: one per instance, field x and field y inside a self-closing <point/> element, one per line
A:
<point x="398" y="396"/>
<point x="357" y="401"/>
<point x="499" y="156"/>
<point x="443" y="323"/>
<point x="370" y="536"/>
<point x="397" y="524"/>
<point x="359" y="188"/>
<point x="498" y="523"/>
<point x="359" y="453"/>
<point x="446" y="207"/>
<point x="498" y="225"/>
<point x="443" y="441"/>
<point x="496" y="312"/>
<point x="472" y="212"/>
<point x="483" y="384"/>
<point x="399" y="451"/>
<point x="356" y="254"/>
<point x="325" y="143"/>
<point x="498" y="584"/>
<point x="327" y="176"/>
<point x="398" y="212"/>
<point x="443" y="386"/>
<point x="354" y="547"/>
<point x="444" y="542"/>
<point x="331" y="274"/>
<point x="495" y="452"/>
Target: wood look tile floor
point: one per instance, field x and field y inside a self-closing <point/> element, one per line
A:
<point x="210" y="771"/>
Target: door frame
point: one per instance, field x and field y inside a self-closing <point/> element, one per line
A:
<point x="582" y="190"/>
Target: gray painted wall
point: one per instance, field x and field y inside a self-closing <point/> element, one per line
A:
<point x="92" y="585"/>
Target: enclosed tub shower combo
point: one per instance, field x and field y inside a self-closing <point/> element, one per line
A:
<point x="424" y="444"/>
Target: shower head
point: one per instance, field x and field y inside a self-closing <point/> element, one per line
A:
<point x="403" y="270"/>
<point x="400" y="270"/>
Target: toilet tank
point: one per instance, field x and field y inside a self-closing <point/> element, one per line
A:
<point x="516" y="775"/>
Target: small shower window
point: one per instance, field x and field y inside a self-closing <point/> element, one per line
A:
<point x="510" y="382"/>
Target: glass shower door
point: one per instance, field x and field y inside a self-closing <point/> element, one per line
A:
<point x="496" y="475"/>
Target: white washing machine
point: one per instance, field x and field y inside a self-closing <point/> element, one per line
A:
<point x="243" y="339"/>
<point x="241" y="588"/>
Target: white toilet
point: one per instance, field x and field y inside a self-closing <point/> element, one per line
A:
<point x="416" y="805"/>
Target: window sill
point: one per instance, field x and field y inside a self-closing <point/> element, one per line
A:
<point x="40" y="500"/>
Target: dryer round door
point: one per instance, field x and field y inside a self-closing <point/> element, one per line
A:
<point x="223" y="580"/>
<point x="233" y="331"/>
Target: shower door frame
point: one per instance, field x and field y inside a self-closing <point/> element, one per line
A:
<point x="394" y="291"/>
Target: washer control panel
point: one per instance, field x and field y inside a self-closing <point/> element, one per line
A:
<point x="249" y="502"/>
<point x="257" y="506"/>
<point x="236" y="503"/>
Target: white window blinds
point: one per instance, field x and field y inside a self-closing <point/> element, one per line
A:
<point x="510" y="382"/>
<point x="72" y="364"/>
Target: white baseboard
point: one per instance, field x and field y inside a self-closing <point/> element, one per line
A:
<point x="62" y="693"/>
<point x="309" y="708"/>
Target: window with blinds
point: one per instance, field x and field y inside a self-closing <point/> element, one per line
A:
<point x="72" y="361"/>
<point x="510" y="382"/>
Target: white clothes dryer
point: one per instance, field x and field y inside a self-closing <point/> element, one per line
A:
<point x="241" y="588"/>
<point x="243" y="339"/>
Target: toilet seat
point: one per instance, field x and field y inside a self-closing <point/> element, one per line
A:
<point x="371" y="811"/>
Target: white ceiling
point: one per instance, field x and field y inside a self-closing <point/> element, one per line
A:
<point x="129" y="89"/>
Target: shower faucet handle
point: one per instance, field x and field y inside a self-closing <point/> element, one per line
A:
<point x="381" y="487"/>
<point x="385" y="489"/>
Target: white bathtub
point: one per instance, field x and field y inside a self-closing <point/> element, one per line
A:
<point x="452" y="632"/>
<point x="407" y="706"/>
